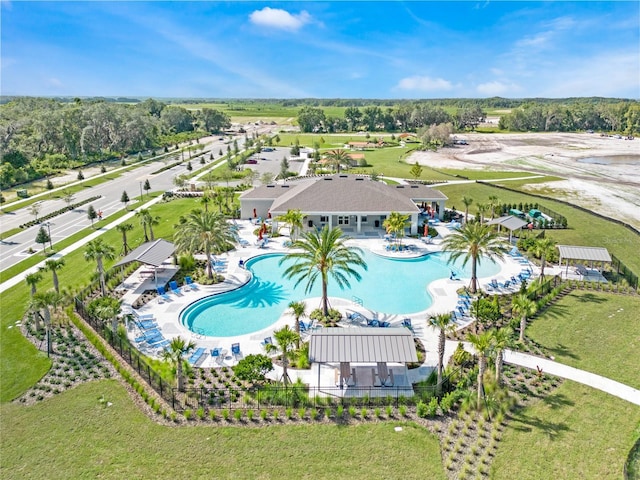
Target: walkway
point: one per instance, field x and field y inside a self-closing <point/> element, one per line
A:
<point x="607" y="385"/>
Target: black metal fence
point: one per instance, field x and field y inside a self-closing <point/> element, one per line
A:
<point x="622" y="269"/>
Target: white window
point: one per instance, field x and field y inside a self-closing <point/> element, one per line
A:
<point x="363" y="219"/>
<point x="324" y="219"/>
<point x="343" y="220"/>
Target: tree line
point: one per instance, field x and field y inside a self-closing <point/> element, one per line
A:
<point x="40" y="136"/>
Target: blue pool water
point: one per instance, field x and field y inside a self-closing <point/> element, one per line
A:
<point x="395" y="286"/>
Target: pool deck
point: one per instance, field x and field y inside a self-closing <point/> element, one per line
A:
<point x="166" y="312"/>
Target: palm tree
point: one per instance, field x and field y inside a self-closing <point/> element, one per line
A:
<point x="299" y="311"/>
<point x="494" y="201"/>
<point x="53" y="265"/>
<point x="32" y="280"/>
<point x="42" y="301"/>
<point x="147" y="220"/>
<point x="324" y="254"/>
<point x="482" y="345"/>
<point x="174" y="354"/>
<point x="444" y="323"/>
<point x="543" y="248"/>
<point x="206" y="200"/>
<point x="337" y="157"/>
<point x="294" y="218"/>
<point x="396" y="223"/>
<point x="206" y="232"/>
<point x="123" y="228"/>
<point x="108" y="310"/>
<point x="468" y="201"/>
<point x="501" y="338"/>
<point x="473" y="241"/>
<point x="522" y="305"/>
<point x="98" y="250"/>
<point x="285" y="338"/>
<point x="482" y="207"/>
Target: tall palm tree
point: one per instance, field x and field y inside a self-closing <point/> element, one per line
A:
<point x="482" y="345"/>
<point x="284" y="338"/>
<point x="123" y="228"/>
<point x="294" y="218"/>
<point x="108" y="310"/>
<point x="299" y="311"/>
<point x="321" y="255"/>
<point x="501" y="339"/>
<point x="147" y="220"/>
<point x="522" y="305"/>
<point x="174" y="354"/>
<point x="206" y="200"/>
<point x="494" y="201"/>
<point x="98" y="250"/>
<point x="338" y="157"/>
<point x="32" y="280"/>
<point x="444" y="323"/>
<point x="543" y="248"/>
<point x="473" y="241"/>
<point x="53" y="265"/>
<point x="396" y="223"/>
<point x="468" y="201"/>
<point x="207" y="232"/>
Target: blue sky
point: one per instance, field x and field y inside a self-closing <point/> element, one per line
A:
<point x="402" y="49"/>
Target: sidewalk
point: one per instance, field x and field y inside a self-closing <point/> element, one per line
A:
<point x="607" y="385"/>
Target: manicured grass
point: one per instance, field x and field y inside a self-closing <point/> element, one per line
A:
<point x="490" y="174"/>
<point x="585" y="229"/>
<point x="575" y="433"/>
<point x="593" y="331"/>
<point x="73" y="436"/>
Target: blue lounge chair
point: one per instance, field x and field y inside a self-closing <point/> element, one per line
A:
<point x="384" y="324"/>
<point x="406" y="322"/>
<point x="267" y="341"/>
<point x="147" y="325"/>
<point x="373" y="323"/>
<point x="149" y="336"/>
<point x="173" y="285"/>
<point x="494" y="283"/>
<point x="190" y="283"/>
<point x="195" y="356"/>
<point x="163" y="293"/>
<point x="235" y="350"/>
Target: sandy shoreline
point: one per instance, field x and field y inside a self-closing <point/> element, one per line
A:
<point x="613" y="188"/>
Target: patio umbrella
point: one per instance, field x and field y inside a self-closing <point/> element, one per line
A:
<point x="255" y="214"/>
<point x="426" y="229"/>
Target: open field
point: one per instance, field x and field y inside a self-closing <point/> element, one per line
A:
<point x="596" y="332"/>
<point x="84" y="439"/>
<point x="575" y="433"/>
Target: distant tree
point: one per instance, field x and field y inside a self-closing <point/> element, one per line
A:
<point x="299" y="311"/>
<point x="311" y="119"/>
<point x="49" y="184"/>
<point x="284" y="167"/>
<point x="544" y="248"/>
<point x="444" y="323"/>
<point x="68" y="198"/>
<point x="416" y="171"/>
<point x="285" y="339"/>
<point x="467" y="201"/>
<point x="92" y="214"/>
<point x="338" y="157"/>
<point x="42" y="237"/>
<point x="482" y="344"/>
<point x="98" y="250"/>
<point x="103" y="169"/>
<point x="80" y="175"/>
<point x="253" y="368"/>
<point x="276" y="139"/>
<point x="34" y="209"/>
<point x="146" y="186"/>
<point x="396" y="223"/>
<point x="266" y="178"/>
<point x="2" y="199"/>
<point x="189" y="166"/>
<point x="494" y="202"/>
<point x="522" y="305"/>
<point x="124" y="198"/>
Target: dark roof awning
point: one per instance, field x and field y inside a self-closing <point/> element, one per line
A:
<point x="510" y="221"/>
<point x="150" y="253"/>
<point x="575" y="252"/>
<point x="362" y="345"/>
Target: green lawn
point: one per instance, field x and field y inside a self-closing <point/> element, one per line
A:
<point x="585" y="229"/>
<point x="576" y="433"/>
<point x="73" y="436"/>
<point x="592" y="331"/>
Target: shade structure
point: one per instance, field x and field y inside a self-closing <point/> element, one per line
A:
<point x="362" y="345"/>
<point x="150" y="253"/>
<point x="590" y="254"/>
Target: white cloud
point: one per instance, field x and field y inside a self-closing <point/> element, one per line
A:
<point x="496" y="88"/>
<point x="54" y="82"/>
<point x="279" y="19"/>
<point x="424" y="83"/>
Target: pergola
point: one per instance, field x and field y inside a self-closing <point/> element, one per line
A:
<point x="150" y="253"/>
<point x="361" y="345"/>
<point x="510" y="222"/>
<point x="586" y="254"/>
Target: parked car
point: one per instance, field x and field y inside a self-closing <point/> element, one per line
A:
<point x="251" y="161"/>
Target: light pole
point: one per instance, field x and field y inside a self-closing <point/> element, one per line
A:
<point x="48" y="225"/>
<point x="140" y="183"/>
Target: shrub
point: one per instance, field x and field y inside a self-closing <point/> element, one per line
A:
<point x="213" y="415"/>
<point x="263" y="414"/>
<point x="250" y="415"/>
<point x="225" y="414"/>
<point x="377" y="412"/>
<point x="364" y="413"/>
<point x="314" y="414"/>
<point x="403" y="410"/>
<point x="340" y="411"/>
<point x="188" y="414"/>
<point x="288" y="413"/>
<point x="389" y="410"/>
<point x="352" y="411"/>
<point x="237" y="414"/>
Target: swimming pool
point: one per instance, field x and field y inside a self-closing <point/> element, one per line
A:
<point x="395" y="286"/>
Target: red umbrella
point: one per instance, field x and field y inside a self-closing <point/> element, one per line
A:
<point x="255" y="214"/>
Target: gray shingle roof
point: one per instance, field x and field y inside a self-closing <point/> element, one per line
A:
<point x="344" y="193"/>
<point x="150" y="253"/>
<point x="574" y="252"/>
<point x="362" y="345"/>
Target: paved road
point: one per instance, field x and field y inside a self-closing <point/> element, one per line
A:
<point x="13" y="249"/>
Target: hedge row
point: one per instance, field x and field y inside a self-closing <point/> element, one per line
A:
<point x="59" y="212"/>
